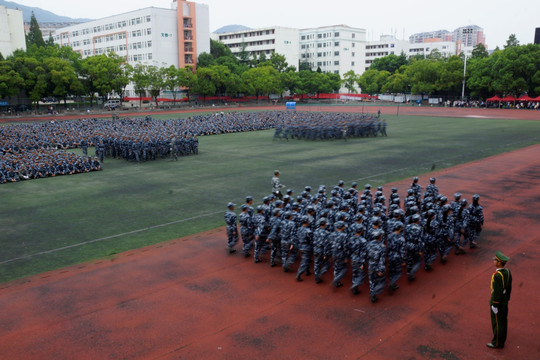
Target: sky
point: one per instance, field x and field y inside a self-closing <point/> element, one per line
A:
<point x="498" y="18"/>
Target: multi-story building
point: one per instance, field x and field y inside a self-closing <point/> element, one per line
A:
<point x="333" y="49"/>
<point x="445" y="48"/>
<point x="387" y="45"/>
<point x="418" y="38"/>
<point x="11" y="31"/>
<point x="465" y="38"/>
<point x="157" y="36"/>
<point x="276" y="39"/>
<point x="151" y="36"/>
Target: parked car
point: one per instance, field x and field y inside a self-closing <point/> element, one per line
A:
<point x="49" y="99"/>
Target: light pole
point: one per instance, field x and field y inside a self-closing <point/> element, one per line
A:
<point x="464" y="73"/>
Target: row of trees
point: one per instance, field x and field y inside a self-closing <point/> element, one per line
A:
<point x="45" y="69"/>
<point x="514" y="70"/>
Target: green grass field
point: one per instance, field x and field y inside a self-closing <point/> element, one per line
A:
<point x="51" y="223"/>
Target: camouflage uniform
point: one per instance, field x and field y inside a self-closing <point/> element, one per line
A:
<point x="321" y="250"/>
<point x="304" y="239"/>
<point x="232" y="227"/>
<point x="376" y="252"/>
<point x="413" y="238"/>
<point x="338" y="239"/>
<point x="397" y="255"/>
<point x="358" y="253"/>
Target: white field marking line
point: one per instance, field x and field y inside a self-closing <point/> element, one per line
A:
<point x="106" y="238"/>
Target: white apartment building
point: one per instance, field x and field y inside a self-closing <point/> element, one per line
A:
<point x="334" y="49"/>
<point x="11" y="31"/>
<point x="386" y="45"/>
<point x="445" y="48"/>
<point x="276" y="39"/>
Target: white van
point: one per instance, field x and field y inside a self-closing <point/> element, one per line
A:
<point x="112" y="104"/>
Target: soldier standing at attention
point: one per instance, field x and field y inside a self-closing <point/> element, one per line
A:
<point x="501" y="287"/>
<point x="276" y="185"/>
<point x="232" y="227"/>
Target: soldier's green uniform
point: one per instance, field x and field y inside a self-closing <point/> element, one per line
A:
<point x="501" y="287"/>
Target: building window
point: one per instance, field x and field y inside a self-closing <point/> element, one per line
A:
<point x="352" y="63"/>
<point x="336" y="53"/>
<point x="353" y="35"/>
<point x="336" y="34"/>
<point x="336" y="62"/>
<point x="336" y="43"/>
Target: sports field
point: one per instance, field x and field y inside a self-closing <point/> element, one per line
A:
<point x="56" y="222"/>
<point x="187" y="298"/>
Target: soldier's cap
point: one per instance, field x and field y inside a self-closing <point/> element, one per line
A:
<point x="244" y="207"/>
<point x="230" y="205"/>
<point x="501" y="257"/>
<point x="276" y="172"/>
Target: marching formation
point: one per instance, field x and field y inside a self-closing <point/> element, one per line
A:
<point x="363" y="231"/>
<point x="325" y="126"/>
<point x="39" y="149"/>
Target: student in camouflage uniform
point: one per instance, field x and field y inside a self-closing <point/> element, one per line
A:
<point x="232" y="228"/>
<point x="274" y="236"/>
<point x="357" y="253"/>
<point x="415" y="247"/>
<point x="246" y="229"/>
<point x="338" y="239"/>
<point x="476" y="221"/>
<point x="461" y="218"/>
<point x="397" y="255"/>
<point x="431" y="228"/>
<point x="289" y="248"/>
<point x="262" y="229"/>
<point x="304" y="239"/>
<point x="376" y="256"/>
<point x="445" y="234"/>
<point x="276" y="185"/>
<point x="321" y="250"/>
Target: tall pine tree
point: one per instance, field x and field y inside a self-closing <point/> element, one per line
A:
<point x="34" y="37"/>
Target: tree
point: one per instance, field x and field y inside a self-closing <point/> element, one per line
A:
<point x="156" y="81"/>
<point x="349" y="80"/>
<point x="263" y="80"/>
<point x="423" y="76"/>
<point x="372" y="81"/>
<point x="63" y="78"/>
<point x="103" y="74"/>
<point x="278" y="62"/>
<point x="450" y="79"/>
<point x="140" y="81"/>
<point x="512" y="41"/>
<point x="34" y="36"/>
<point x="10" y="81"/>
<point x="390" y="63"/>
<point x="205" y="85"/>
<point x="479" y="51"/>
<point x="243" y="55"/>
<point x="187" y="79"/>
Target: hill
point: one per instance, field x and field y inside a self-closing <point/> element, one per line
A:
<point x="42" y="16"/>
<point x="231" y="28"/>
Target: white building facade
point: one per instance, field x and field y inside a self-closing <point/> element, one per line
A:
<point x="11" y="31"/>
<point x="386" y="45"/>
<point x="151" y="36"/>
<point x="276" y="39"/>
<point x="334" y="49"/>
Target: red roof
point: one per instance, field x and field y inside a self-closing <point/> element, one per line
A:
<point x="508" y="98"/>
<point x="494" y="98"/>
<point x="525" y="98"/>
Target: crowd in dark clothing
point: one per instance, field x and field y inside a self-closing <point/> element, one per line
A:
<point x="27" y="149"/>
<point x="328" y="126"/>
<point x="375" y="237"/>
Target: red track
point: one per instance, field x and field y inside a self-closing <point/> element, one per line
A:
<point x="189" y="299"/>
